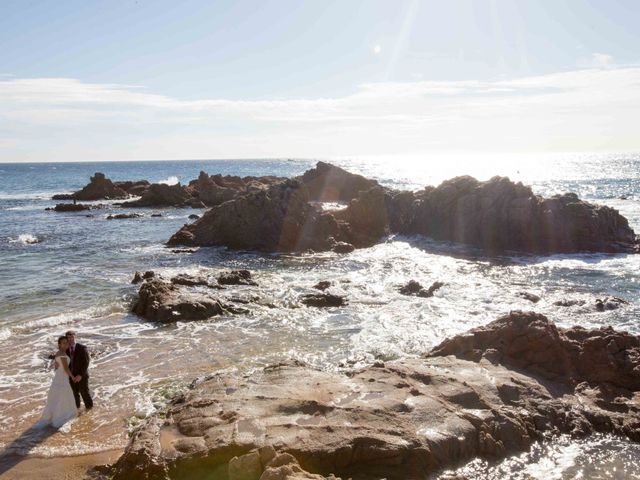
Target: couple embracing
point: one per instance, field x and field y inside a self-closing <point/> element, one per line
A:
<point x="70" y="382"/>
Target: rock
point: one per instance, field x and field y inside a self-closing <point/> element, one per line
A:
<point x="276" y="219"/>
<point x="63" y="196"/>
<point x="532" y="297"/>
<point x="139" y="277"/>
<point x="245" y="467"/>
<point x="489" y="392"/>
<point x="156" y="215"/>
<point x="213" y="190"/>
<point x="323" y="300"/>
<point x="100" y="188"/>
<point x="414" y="288"/>
<point x="133" y="188"/>
<point x="342" y="247"/>
<point x="366" y="217"/>
<point x="236" y="277"/>
<point x="162" y="301"/>
<point x="568" y="303"/>
<point x="328" y="183"/>
<point x="123" y="216"/>
<point x="609" y="303"/>
<point x="162" y="195"/>
<point x="322" y="285"/>
<point x="499" y="215"/>
<point x="193" y="281"/>
<point x="184" y="250"/>
<point x="71" y="207"/>
<point x="193" y="216"/>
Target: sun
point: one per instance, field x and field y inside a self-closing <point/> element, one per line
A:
<point x="377" y="49"/>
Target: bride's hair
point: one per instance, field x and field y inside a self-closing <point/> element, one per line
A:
<point x="60" y="339"/>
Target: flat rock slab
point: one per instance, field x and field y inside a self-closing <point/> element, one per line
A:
<point x="396" y="420"/>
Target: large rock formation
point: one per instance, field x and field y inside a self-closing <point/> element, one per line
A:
<point x="276" y="219"/>
<point x="328" y="183"/>
<point x="162" y="195"/>
<point x="500" y="215"/>
<point x="100" y="188"/>
<point x="489" y="392"/>
<point x="496" y="215"/>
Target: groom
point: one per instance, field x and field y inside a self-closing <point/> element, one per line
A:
<point x="79" y="367"/>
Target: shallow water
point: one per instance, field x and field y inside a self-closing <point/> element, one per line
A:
<point x="65" y="270"/>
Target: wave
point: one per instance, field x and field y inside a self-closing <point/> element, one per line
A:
<point x="25" y="239"/>
<point x="172" y="180"/>
<point x="28" y="196"/>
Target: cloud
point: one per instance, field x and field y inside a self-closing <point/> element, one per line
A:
<point x="601" y="60"/>
<point x="59" y="119"/>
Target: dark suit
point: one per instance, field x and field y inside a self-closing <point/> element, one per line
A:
<point x="80" y="366"/>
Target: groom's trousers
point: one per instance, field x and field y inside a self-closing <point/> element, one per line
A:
<point x="81" y="388"/>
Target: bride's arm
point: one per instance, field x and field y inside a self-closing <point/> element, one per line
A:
<point x="63" y="362"/>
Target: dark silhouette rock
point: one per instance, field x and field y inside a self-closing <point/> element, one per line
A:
<point x="139" y="276"/>
<point x="488" y="393"/>
<point x="193" y="216"/>
<point x="609" y="303"/>
<point x="323" y="300"/>
<point x="414" y="288"/>
<point x="532" y="297"/>
<point x="184" y="250"/>
<point x="162" y="195"/>
<point x="123" y="216"/>
<point x="63" y="196"/>
<point x="157" y="215"/>
<point x="71" y="207"/>
<point x="100" y="188"/>
<point x="322" y="285"/>
<point x="236" y="277"/>
<point x="328" y="183"/>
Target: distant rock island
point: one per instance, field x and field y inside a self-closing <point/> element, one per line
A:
<point x="274" y="214"/>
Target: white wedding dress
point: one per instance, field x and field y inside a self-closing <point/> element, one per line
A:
<point x="61" y="406"/>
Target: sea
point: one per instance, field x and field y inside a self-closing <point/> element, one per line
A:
<point x="61" y="271"/>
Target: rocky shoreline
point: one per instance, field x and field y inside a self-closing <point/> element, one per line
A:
<point x="489" y="392"/>
<point x="274" y="214"/>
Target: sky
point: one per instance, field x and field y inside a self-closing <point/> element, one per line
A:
<point x="142" y="80"/>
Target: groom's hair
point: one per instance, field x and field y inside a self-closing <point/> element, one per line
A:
<point x="63" y="337"/>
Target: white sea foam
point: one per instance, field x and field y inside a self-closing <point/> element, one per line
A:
<point x="27" y="196"/>
<point x="172" y="180"/>
<point x="26" y="239"/>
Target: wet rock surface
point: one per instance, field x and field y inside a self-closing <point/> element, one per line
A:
<point x="488" y="392"/>
<point x="532" y="297"/>
<point x="414" y="288"/>
<point x="323" y="300"/>
<point x="123" y="216"/>
<point x="236" y="277"/>
<point x="71" y="207"/>
<point x="165" y="301"/>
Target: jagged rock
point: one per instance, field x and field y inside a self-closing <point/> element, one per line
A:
<point x="328" y="183"/>
<point x="63" y="196"/>
<point x="100" y="188"/>
<point x="193" y="216"/>
<point x="490" y="392"/>
<point x="609" y="303"/>
<point x="500" y="215"/>
<point x="414" y="288"/>
<point x="122" y="216"/>
<point x="278" y="218"/>
<point x="236" y="277"/>
<point x="532" y="297"/>
<point x="71" y="207"/>
<point x="133" y="188"/>
<point x="266" y="464"/>
<point x="139" y="276"/>
<point x="213" y="193"/>
<point x="162" y="301"/>
<point x="192" y="281"/>
<point x="162" y="195"/>
<point x="322" y="285"/>
<point x="323" y="300"/>
<point x="365" y="217"/>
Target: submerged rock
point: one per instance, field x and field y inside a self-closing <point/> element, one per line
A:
<point x="532" y="297"/>
<point x="323" y="300"/>
<point x="322" y="285"/>
<point x="236" y="277"/>
<point x="71" y="207"/>
<point x="609" y="303"/>
<point x="489" y="392"/>
<point x="415" y="289"/>
<point x="124" y="216"/>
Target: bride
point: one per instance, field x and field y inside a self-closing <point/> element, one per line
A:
<point x="61" y="406"/>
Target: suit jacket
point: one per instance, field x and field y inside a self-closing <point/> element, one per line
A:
<point x="80" y="360"/>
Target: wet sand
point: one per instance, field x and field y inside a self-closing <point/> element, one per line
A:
<point x="55" y="468"/>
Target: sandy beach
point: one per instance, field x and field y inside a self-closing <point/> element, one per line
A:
<point x="54" y="468"/>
